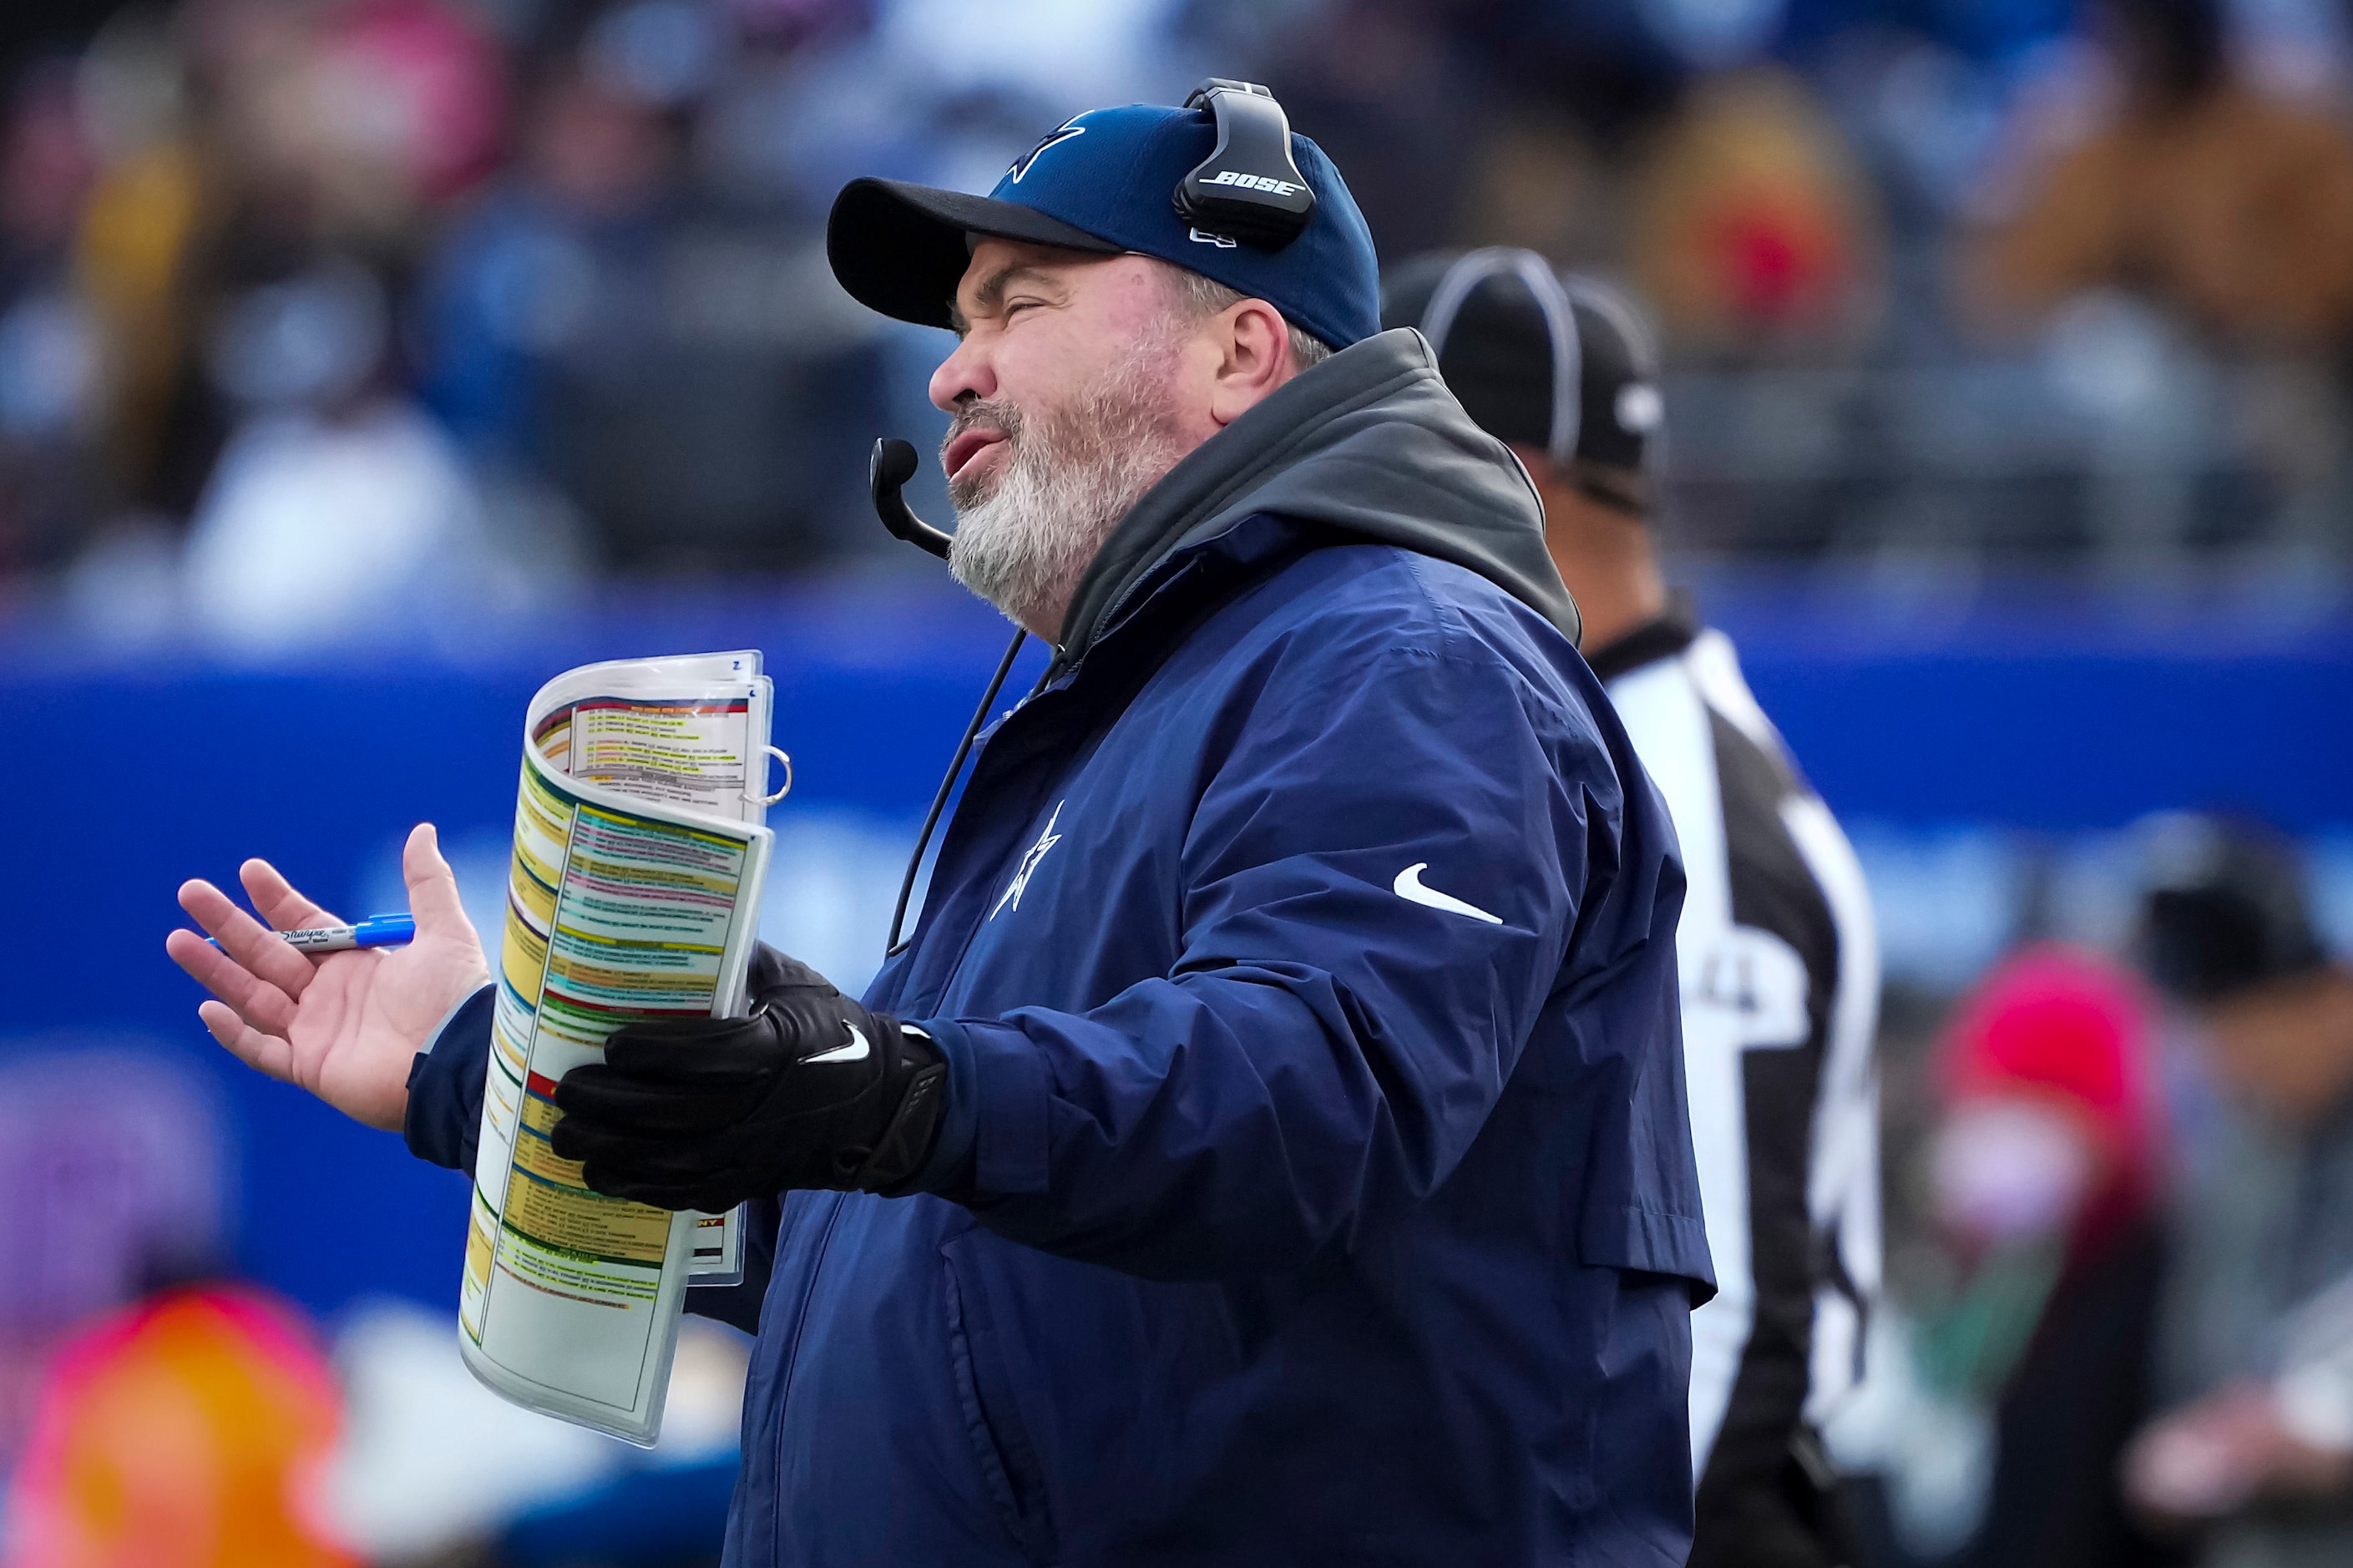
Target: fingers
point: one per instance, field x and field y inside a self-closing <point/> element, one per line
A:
<point x="773" y="971"/>
<point x="575" y="1138"/>
<point x="657" y="1174"/>
<point x="265" y="1053"/>
<point x="247" y="945"/>
<point x="255" y="1000"/>
<point x="711" y="1053"/>
<point x="626" y="1156"/>
<point x="275" y="897"/>
<point x="432" y="886"/>
<point x="597" y="1100"/>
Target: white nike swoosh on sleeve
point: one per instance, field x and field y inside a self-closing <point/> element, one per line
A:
<point x="855" y="1051"/>
<point x="1409" y="887"/>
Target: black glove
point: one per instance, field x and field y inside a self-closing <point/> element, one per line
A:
<point x="811" y="1090"/>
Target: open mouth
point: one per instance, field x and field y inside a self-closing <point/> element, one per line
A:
<point x="961" y="452"/>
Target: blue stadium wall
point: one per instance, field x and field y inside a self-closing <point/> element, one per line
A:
<point x="128" y="771"/>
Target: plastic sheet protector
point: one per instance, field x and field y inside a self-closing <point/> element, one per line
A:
<point x="633" y="893"/>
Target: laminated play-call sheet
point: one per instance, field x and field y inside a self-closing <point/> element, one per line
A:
<point x="633" y="893"/>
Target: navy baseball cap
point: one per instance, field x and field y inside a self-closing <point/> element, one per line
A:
<point x="1106" y="182"/>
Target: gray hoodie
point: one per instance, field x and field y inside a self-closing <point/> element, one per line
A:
<point x="1369" y="442"/>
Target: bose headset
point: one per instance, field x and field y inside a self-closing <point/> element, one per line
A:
<point x="1248" y="187"/>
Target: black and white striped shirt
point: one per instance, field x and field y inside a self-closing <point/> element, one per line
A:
<point x="1780" y="996"/>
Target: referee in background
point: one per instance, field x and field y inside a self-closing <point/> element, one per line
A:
<point x="1778" y="960"/>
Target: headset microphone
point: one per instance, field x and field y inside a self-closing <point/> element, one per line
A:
<point x="886" y="473"/>
<point x="1248" y="188"/>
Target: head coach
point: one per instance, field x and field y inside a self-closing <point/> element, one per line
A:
<point x="1271" y="1146"/>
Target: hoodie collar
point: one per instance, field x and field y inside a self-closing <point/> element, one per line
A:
<point x="1369" y="443"/>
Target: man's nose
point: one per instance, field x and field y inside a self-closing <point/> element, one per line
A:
<point x="964" y="375"/>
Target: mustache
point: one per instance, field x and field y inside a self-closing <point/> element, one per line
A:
<point x="996" y="414"/>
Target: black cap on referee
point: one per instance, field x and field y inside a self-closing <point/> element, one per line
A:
<point x="1559" y="365"/>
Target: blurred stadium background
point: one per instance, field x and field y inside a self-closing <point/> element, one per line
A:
<point x="364" y="361"/>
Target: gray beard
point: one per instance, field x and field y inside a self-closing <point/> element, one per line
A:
<point x="1072" y="474"/>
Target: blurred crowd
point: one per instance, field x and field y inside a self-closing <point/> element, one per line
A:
<point x="2119" y="1323"/>
<point x="320" y="314"/>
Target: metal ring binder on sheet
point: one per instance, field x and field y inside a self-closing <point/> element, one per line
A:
<point x="777" y="753"/>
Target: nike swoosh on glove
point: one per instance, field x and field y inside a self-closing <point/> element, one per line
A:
<point x="810" y="1090"/>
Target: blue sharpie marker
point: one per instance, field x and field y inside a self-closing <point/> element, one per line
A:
<point x="376" y="930"/>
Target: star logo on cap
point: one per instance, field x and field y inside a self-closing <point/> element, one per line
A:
<point x="1060" y="135"/>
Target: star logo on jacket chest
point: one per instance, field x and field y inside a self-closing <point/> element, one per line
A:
<point x="1036" y="853"/>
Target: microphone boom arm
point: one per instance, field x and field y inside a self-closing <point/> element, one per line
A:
<point x="892" y="465"/>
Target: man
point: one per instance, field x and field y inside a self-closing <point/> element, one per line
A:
<point x="2256" y="1327"/>
<point x="1270" y="1148"/>
<point x="1780" y="970"/>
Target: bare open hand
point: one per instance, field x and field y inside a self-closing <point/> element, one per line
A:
<point x="2215" y="1456"/>
<point x="344" y="1026"/>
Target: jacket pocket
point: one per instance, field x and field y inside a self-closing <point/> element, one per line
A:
<point x="1000" y="1442"/>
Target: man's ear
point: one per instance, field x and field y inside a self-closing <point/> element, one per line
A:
<point x="1254" y="348"/>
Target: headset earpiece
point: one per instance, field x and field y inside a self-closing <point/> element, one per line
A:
<point x="1249" y="188"/>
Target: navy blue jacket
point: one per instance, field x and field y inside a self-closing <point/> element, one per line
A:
<point x="1315" y="1184"/>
